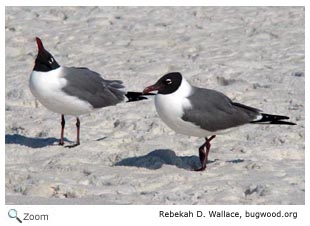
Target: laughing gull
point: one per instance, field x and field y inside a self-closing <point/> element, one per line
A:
<point x="73" y="90"/>
<point x="200" y="112"/>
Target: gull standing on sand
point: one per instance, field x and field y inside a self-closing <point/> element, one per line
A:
<point x="73" y="90"/>
<point x="200" y="112"/>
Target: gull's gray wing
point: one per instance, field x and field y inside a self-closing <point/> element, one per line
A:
<point x="213" y="111"/>
<point x="89" y="86"/>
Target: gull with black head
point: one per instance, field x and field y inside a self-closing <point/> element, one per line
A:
<point x="201" y="112"/>
<point x="73" y="90"/>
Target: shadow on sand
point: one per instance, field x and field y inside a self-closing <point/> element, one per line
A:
<point x="157" y="158"/>
<point x="30" y="141"/>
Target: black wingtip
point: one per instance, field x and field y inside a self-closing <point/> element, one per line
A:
<point x="284" y="123"/>
<point x="273" y="119"/>
<point x="137" y="96"/>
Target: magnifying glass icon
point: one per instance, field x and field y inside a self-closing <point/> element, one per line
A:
<point x="13" y="214"/>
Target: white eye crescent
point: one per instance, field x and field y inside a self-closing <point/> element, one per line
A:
<point x="51" y="60"/>
<point x="168" y="81"/>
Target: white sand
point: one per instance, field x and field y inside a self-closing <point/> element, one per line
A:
<point x="127" y="154"/>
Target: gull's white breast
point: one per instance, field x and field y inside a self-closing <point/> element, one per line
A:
<point x="47" y="88"/>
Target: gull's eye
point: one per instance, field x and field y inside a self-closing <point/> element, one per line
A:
<point x="51" y="60"/>
<point x="168" y="81"/>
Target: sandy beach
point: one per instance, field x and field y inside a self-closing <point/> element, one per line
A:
<point x="254" y="55"/>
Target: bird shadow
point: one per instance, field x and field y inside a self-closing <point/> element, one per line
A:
<point x="157" y="158"/>
<point x="32" y="142"/>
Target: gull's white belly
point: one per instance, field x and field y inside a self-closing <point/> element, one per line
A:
<point x="47" y="88"/>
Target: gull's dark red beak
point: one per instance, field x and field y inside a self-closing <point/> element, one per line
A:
<point x="150" y="89"/>
<point x="39" y="44"/>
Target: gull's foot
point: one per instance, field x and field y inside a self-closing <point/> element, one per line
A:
<point x="203" y="168"/>
<point x="72" y="146"/>
<point x="61" y="143"/>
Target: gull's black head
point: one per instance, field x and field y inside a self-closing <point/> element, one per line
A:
<point x="167" y="84"/>
<point x="44" y="61"/>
